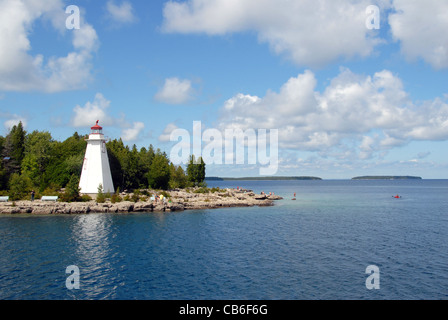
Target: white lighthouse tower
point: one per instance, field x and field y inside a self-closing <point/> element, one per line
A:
<point x="96" y="169"/>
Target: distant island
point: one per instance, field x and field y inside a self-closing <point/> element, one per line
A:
<point x="387" y="178"/>
<point x="261" y="178"/>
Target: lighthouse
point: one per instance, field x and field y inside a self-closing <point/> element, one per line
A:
<point x="96" y="169"/>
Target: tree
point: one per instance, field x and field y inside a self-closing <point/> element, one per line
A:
<point x="38" y="149"/>
<point x="3" y="175"/>
<point x="19" y="186"/>
<point x="72" y="190"/>
<point x="14" y="149"/>
<point x="159" y="172"/>
<point x="178" y="179"/>
<point x="66" y="160"/>
<point x="196" y="170"/>
<point x="100" y="197"/>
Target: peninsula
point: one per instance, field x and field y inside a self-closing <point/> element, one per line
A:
<point x="261" y="178"/>
<point x="175" y="200"/>
<point x="387" y="178"/>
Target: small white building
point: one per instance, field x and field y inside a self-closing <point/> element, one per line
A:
<point x="96" y="169"/>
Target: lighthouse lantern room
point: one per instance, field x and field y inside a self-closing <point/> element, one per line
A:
<point x="96" y="169"/>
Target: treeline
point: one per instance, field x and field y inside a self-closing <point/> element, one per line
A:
<point x="35" y="161"/>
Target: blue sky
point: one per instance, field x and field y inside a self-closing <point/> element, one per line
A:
<point x="346" y="100"/>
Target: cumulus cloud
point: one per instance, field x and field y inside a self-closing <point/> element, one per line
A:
<point x="13" y="121"/>
<point x="421" y="26"/>
<point x="166" y="135"/>
<point x="354" y="116"/>
<point x="133" y="133"/>
<point x="309" y="32"/>
<point x="123" y="13"/>
<point x="175" y="91"/>
<point x="99" y="109"/>
<point x="21" y="71"/>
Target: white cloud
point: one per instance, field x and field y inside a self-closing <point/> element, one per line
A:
<point x="421" y="26"/>
<point x="310" y="32"/>
<point x="175" y="91"/>
<point x="166" y="135"/>
<point x="20" y="71"/>
<point x="123" y="13"/>
<point x="354" y="116"/>
<point x="91" y="112"/>
<point x="99" y="109"/>
<point x="15" y="120"/>
<point x="133" y="133"/>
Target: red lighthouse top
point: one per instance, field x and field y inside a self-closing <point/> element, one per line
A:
<point x="96" y="128"/>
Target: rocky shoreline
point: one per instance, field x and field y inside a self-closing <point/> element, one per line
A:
<point x="178" y="201"/>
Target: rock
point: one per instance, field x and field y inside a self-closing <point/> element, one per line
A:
<point x="273" y="197"/>
<point x="180" y="200"/>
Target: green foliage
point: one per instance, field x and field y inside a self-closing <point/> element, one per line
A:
<point x="20" y="187"/>
<point x="66" y="160"/>
<point x="100" y="197"/>
<point x="47" y="165"/>
<point x="159" y="172"/>
<point x="115" y="198"/>
<point x="13" y="150"/>
<point x="178" y="179"/>
<point x="72" y="190"/>
<point x="86" y="198"/>
<point x="165" y="194"/>
<point x="202" y="190"/>
<point x="129" y="167"/>
<point x="196" y="171"/>
<point x="38" y="150"/>
<point x="135" y="196"/>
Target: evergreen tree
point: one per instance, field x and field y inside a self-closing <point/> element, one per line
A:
<point x="14" y="149"/>
<point x="66" y="159"/>
<point x="178" y="179"/>
<point x="72" y="190"/>
<point x="196" y="170"/>
<point x="3" y="175"/>
<point x="159" y="172"/>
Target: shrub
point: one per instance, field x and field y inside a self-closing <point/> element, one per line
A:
<point x="116" y="198"/>
<point x="71" y="193"/>
<point x="86" y="198"/>
<point x="101" y="197"/>
<point x="202" y="190"/>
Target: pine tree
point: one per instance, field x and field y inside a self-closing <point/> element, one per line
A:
<point x="196" y="170"/>
<point x="14" y="149"/>
<point x="159" y="172"/>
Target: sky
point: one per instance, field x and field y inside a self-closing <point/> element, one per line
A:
<point x="349" y="87"/>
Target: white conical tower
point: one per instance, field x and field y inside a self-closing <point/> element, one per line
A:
<point x="96" y="169"/>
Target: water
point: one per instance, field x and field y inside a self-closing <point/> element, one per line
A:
<point x="317" y="247"/>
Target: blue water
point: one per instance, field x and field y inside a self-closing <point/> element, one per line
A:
<point x="317" y="247"/>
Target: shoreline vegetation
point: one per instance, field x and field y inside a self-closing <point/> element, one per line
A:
<point x="146" y="201"/>
<point x="273" y="178"/>
<point x="387" y="178"/>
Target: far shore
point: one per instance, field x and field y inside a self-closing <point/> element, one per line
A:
<point x="178" y="200"/>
